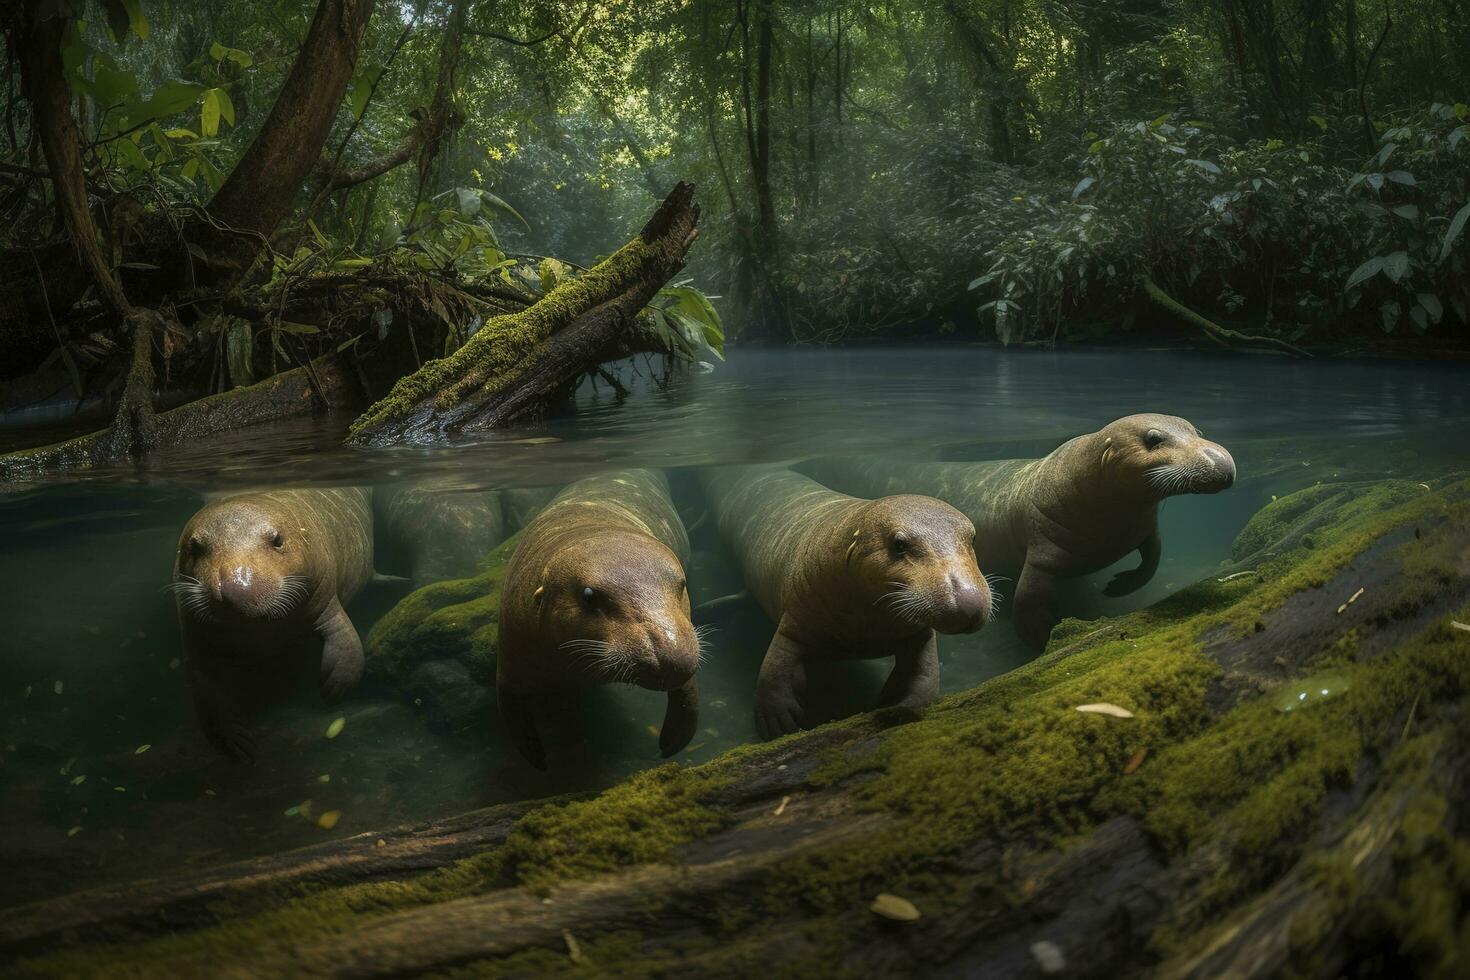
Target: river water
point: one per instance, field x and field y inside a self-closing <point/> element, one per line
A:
<point x="103" y="776"/>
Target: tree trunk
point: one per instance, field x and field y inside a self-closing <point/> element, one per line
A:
<point x="516" y="363"/>
<point x="262" y="187"/>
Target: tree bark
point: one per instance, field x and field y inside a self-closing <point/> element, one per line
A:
<point x="516" y="362"/>
<point x="261" y="190"/>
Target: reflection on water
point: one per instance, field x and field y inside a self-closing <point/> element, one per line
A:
<point x="89" y="656"/>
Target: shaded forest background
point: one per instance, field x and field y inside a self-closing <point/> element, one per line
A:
<point x="1272" y="173"/>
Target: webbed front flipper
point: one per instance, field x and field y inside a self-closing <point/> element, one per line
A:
<point x="342" y="659"/>
<point x="1035" y="606"/>
<point x="914" y="681"/>
<point x="1136" y="578"/>
<point x="220" y="720"/>
<point x="681" y="718"/>
<point x="519" y="719"/>
<point x="780" y="686"/>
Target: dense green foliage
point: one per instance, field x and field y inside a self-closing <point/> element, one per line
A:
<point x="1006" y="168"/>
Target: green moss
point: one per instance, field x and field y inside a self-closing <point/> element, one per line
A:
<point x="640" y="821"/>
<point x="458" y="619"/>
<point x="1012" y="759"/>
<point x="503" y="342"/>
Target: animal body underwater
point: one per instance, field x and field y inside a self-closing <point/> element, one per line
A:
<point x="850" y="560"/>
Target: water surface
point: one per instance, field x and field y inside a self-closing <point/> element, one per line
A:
<point x="89" y="653"/>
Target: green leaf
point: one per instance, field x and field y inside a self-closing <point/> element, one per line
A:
<point x="1457" y="225"/>
<point x="190" y="168"/>
<point x="1082" y="185"/>
<point x="1364" y="272"/>
<point x="316" y="233"/>
<point x="1396" y="265"/>
<point x="1205" y="165"/>
<point x="112" y="85"/>
<point x="1401" y="177"/>
<point x="166" y="100"/>
<point x="209" y="112"/>
<point x="1097" y="147"/>
<point x="1462" y="111"/>
<point x="297" y="328"/>
<point x="226" y="106"/>
<point x="487" y="198"/>
<point x="1431" y="305"/>
<point x="1410" y="211"/>
<point x="1389" y="313"/>
<point x="136" y="20"/>
<point x="1321" y="123"/>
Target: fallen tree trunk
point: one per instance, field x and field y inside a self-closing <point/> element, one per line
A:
<point x="1219" y="824"/>
<point x="514" y="364"/>
<point x="328" y="383"/>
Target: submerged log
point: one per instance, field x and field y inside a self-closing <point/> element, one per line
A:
<point x="327" y="383"/>
<point x="516" y="364"/>
<point x="1275" y="786"/>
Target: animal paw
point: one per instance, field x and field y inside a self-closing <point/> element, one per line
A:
<point x="237" y="742"/>
<point x="1124" y="583"/>
<point x="676" y="734"/>
<point x="777" y="717"/>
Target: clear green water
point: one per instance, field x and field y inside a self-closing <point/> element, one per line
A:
<point x="89" y="649"/>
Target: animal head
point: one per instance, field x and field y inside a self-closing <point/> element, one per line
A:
<point x="915" y="557"/>
<point x="237" y="561"/>
<point x="616" y="606"/>
<point x="1163" y="455"/>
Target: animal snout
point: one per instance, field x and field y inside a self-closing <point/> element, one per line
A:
<point x="669" y="655"/>
<point x="1223" y="463"/>
<point x="969" y="605"/>
<point x="237" y="585"/>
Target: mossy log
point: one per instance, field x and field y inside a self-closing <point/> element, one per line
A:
<point x="517" y="363"/>
<point x="1281" y="793"/>
<point x="327" y="383"/>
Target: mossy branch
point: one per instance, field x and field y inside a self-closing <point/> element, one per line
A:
<point x="1223" y="336"/>
<point x="590" y="313"/>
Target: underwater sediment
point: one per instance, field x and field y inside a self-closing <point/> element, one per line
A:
<point x="1267" y="779"/>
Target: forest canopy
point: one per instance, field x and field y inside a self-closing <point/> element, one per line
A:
<point x="211" y="194"/>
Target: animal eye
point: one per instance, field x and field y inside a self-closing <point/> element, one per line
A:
<point x="900" y="544"/>
<point x="1153" y="439"/>
<point x="589" y="596"/>
<point x="277" y="541"/>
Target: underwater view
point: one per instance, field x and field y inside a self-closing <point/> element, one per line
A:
<point x="735" y="488"/>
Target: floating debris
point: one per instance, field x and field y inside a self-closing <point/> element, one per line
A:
<point x="119" y="789"/>
<point x="143" y="748"/>
<point x="895" y="908"/>
<point x="782" y="808"/>
<point x="1236" y="575"/>
<point x="1104" y="708"/>
<point x="1354" y="598"/>
<point x="325" y="777"/>
<point x="536" y="441"/>
<point x="1136" y="761"/>
<point x="381" y="843"/>
<point x="173" y="664"/>
<point x="1460" y="626"/>
<point x="74" y="831"/>
<point x="573" y="949"/>
<point x="335" y="728"/>
<point x="79" y="780"/>
<point x="210" y="792"/>
<point x="329" y="819"/>
<point x="1310" y="690"/>
<point x="1048" y="956"/>
<point x="294" y="811"/>
<point x="57" y="687"/>
<point x="653" y="730"/>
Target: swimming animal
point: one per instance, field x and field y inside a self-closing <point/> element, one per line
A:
<point x="1089" y="503"/>
<point x="594" y="594"/>
<point x="847" y="579"/>
<point x="258" y="579"/>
